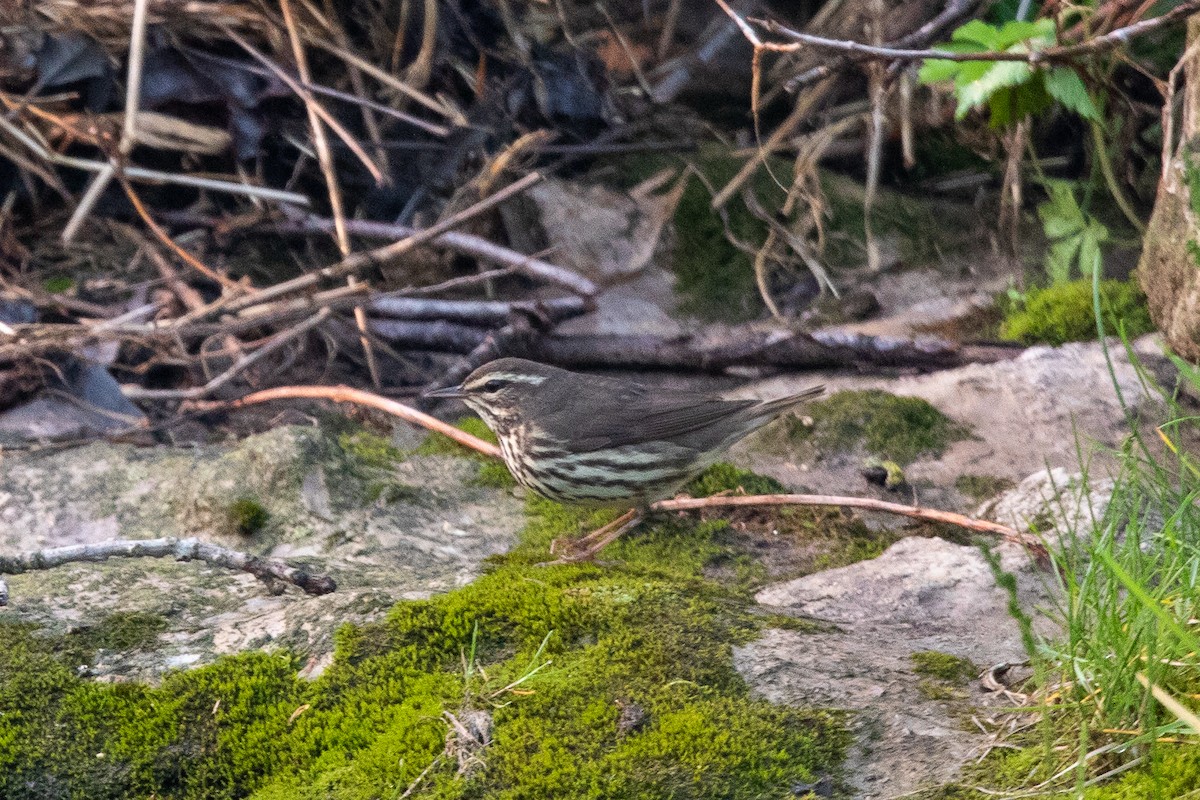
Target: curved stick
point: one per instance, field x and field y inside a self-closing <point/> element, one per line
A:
<point x="344" y="394"/>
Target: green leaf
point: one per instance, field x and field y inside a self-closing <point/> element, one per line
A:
<point x="978" y="32"/>
<point x="1011" y="33"/>
<point x="998" y="75"/>
<point x="1060" y="214"/>
<point x="1061" y="258"/>
<point x="1075" y="237"/>
<point x="936" y="70"/>
<point x="1065" y="86"/>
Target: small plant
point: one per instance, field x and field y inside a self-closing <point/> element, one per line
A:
<point x="1066" y="313"/>
<point x="248" y="515"/>
<point x="1011" y="90"/>
<point x="1075" y="236"/>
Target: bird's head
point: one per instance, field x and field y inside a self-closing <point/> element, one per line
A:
<point x="501" y="390"/>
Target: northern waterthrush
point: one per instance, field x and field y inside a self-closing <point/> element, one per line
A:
<point x="588" y="440"/>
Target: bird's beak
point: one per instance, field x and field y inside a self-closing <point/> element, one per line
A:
<point x="449" y="393"/>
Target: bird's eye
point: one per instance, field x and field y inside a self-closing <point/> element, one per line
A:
<point x="494" y="385"/>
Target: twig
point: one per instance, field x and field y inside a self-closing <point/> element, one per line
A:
<point x="439" y="131"/>
<point x="133" y="91"/>
<point x="1058" y="54"/>
<point x="184" y="255"/>
<point x="345" y="394"/>
<point x="310" y="102"/>
<point x="388" y="79"/>
<point x="867" y="503"/>
<point x="189" y="549"/>
<point x="466" y="243"/>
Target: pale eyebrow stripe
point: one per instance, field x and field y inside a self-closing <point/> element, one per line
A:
<point x="507" y="376"/>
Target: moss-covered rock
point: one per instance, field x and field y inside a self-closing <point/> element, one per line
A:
<point x="945" y="667"/>
<point x="1065" y="313"/>
<point x="887" y="426"/>
<point x="591" y="682"/>
<point x="982" y="487"/>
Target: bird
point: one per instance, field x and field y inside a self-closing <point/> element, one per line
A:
<point x="588" y="440"/>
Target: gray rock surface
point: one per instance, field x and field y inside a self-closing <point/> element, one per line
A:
<point x="321" y="516"/>
<point x="920" y="595"/>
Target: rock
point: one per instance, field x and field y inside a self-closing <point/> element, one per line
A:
<point x="920" y="595"/>
<point x="602" y="233"/>
<point x="321" y="514"/>
<point x="1051" y="500"/>
<point x="1024" y="415"/>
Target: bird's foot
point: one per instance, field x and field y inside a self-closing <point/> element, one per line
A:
<point x="573" y="551"/>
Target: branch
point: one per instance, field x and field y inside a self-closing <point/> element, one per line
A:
<point x="344" y="394"/>
<point x="476" y="312"/>
<point x="1060" y="53"/>
<point x="190" y="549"/>
<point x="1029" y="541"/>
<point x="466" y="243"/>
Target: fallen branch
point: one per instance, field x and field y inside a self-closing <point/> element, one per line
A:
<point x="343" y="394"/>
<point x="477" y="312"/>
<point x="465" y="243"/>
<point x="190" y="549"/>
<point x="468" y="244"/>
<point x="746" y="347"/>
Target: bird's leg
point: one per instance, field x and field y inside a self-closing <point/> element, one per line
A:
<point x="586" y="548"/>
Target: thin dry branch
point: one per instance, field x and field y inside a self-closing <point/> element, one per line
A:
<point x="189" y="549"/>
<point x="143" y="175"/>
<point x="329" y="171"/>
<point x="1058" y="54"/>
<point x="465" y="243"/>
<point x="865" y="503"/>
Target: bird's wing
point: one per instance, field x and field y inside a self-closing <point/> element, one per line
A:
<point x="629" y="414"/>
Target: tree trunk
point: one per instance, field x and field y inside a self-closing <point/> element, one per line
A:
<point x="1169" y="269"/>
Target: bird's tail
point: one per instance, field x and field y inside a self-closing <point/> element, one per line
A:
<point x="773" y="408"/>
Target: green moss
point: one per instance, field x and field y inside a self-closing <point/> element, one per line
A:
<point x="551" y="656"/>
<point x="894" y="428"/>
<point x="370" y="449"/>
<point x="247" y="516"/>
<point x="945" y="667"/>
<point x="492" y="473"/>
<point x="1064" y="313"/>
<point x="437" y="445"/>
<point x="727" y="478"/>
<point x="982" y="487"/>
